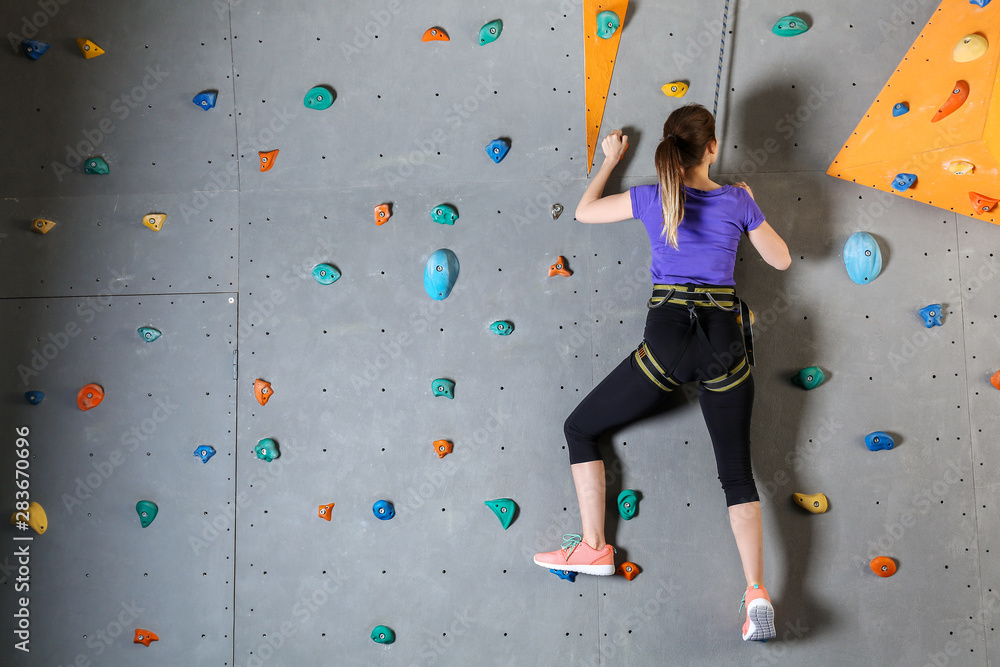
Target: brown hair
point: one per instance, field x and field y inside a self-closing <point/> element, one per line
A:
<point x="686" y="136"/>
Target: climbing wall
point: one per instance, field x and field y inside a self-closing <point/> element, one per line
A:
<point x="239" y="568"/>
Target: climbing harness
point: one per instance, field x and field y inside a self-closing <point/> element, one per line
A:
<point x="723" y="298"/>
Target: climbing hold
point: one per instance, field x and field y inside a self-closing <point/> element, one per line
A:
<point x="326" y="274"/>
<point x="319" y="98"/>
<point x="863" y="258"/>
<point x="628" y="504"/>
<point x="504" y="508"/>
<point x="34" y="397"/>
<point x="904" y="181"/>
<point x="959" y="94"/>
<point x="267" y="450"/>
<point x="809" y="378"/>
<point x="262" y="390"/>
<point x="931" y="315"/>
<point x="440" y="274"/>
<point x="146" y="509"/>
<point x="961" y="167"/>
<point x="899" y="109"/>
<point x="149" y="334"/>
<point x="675" y="89"/>
<point x="205" y="452"/>
<point x="144" y="637"/>
<point x="36" y="520"/>
<point x="979" y="3"/>
<point x="435" y="34"/>
<point x="607" y="24"/>
<point x="267" y="159"/>
<point x="568" y="575"/>
<point x="501" y="328"/>
<point x="995" y="380"/>
<point x="982" y="203"/>
<point x="206" y="100"/>
<point x="382" y="214"/>
<point x="96" y="165"/>
<point x="33" y="49"/>
<point x="383" y="635"/>
<point x="325" y="511"/>
<point x="560" y="268"/>
<point x="154" y="221"/>
<point x="444" y="214"/>
<point x="815" y="503"/>
<point x="489" y="32"/>
<point x="970" y="48"/>
<point x="42" y="226"/>
<point x="383" y="510"/>
<point x="497" y="149"/>
<point x="442" y="387"/>
<point x="89" y="49"/>
<point x="443" y="448"/>
<point x="90" y="396"/>
<point x="879" y="440"/>
<point x="883" y="566"/>
<point x="557" y="210"/>
<point x="628" y="569"/>
<point x="789" y="26"/>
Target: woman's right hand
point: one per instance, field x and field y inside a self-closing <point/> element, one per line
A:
<point x="614" y="146"/>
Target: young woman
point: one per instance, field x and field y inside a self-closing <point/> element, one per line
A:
<point x="692" y="334"/>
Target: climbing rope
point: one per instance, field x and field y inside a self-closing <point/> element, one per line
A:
<point x="722" y="52"/>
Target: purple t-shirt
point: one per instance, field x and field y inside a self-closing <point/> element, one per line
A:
<point x="707" y="237"/>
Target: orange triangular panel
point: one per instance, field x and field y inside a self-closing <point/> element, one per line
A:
<point x="599" y="61"/>
<point x="884" y="145"/>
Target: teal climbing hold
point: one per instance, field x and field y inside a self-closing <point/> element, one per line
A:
<point x="809" y="378"/>
<point x="789" y="26"/>
<point x="383" y="635"/>
<point x="863" y="258"/>
<point x="607" y="24"/>
<point x="628" y="504"/>
<point x="34" y="397"/>
<point x="440" y="274"/>
<point x="444" y="388"/>
<point x="96" y="165"/>
<point x="504" y="508"/>
<point x="501" y="328"/>
<point x="326" y="274"/>
<point x="489" y="32"/>
<point x="149" y="334"/>
<point x="267" y="450"/>
<point x="319" y="98"/>
<point x="444" y="214"/>
<point x="146" y="509"/>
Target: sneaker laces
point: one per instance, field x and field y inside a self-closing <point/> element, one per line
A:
<point x="743" y="601"/>
<point x="570" y="542"/>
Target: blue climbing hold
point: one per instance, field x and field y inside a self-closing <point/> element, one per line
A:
<point x="443" y="388"/>
<point x="383" y="510"/>
<point x="206" y="100"/>
<point x="149" y="334"/>
<point x="34" y="397"/>
<point x="501" y="328"/>
<point x="979" y="3"/>
<point x="497" y="149"/>
<point x="34" y="49"/>
<point x="440" y="274"/>
<point x="205" y="452"/>
<point x="879" y="440"/>
<point x="565" y="574"/>
<point x="899" y="109"/>
<point x="267" y="450"/>
<point x="931" y="315"/>
<point x="863" y="258"/>
<point x="326" y="274"/>
<point x="904" y="181"/>
<point x="444" y="214"/>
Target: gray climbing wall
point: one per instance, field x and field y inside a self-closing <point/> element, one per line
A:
<point x="238" y="569"/>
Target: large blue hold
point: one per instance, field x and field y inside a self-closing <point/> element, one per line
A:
<point x="440" y="274"/>
<point x="34" y="49"/>
<point x="979" y="3"/>
<point x="862" y="257"/>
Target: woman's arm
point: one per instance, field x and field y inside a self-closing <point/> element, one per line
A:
<point x="772" y="248"/>
<point x="594" y="208"/>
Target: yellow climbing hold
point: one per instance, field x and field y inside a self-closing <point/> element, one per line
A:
<point x="42" y="226"/>
<point x="675" y="89"/>
<point x="154" y="221"/>
<point x="815" y="503"/>
<point x="970" y="48"/>
<point x="89" y="49"/>
<point x="33" y="517"/>
<point x="961" y="167"/>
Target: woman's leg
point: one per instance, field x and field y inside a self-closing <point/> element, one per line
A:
<point x="591" y="494"/>
<point x="749" y="533"/>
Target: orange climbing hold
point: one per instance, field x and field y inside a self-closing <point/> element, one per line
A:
<point x="560" y="268"/>
<point x="959" y="94"/>
<point x="145" y="637"/>
<point x="41" y="225"/>
<point x="628" y="569"/>
<point x="435" y="34"/>
<point x="154" y="221"/>
<point x="267" y="159"/>
<point x="90" y="396"/>
<point x="883" y="566"/>
<point x="982" y="203"/>
<point x="262" y="390"/>
<point x="599" y="55"/>
<point x="89" y="49"/>
<point x="325" y="511"/>
<point x="995" y="380"/>
<point x="382" y="214"/>
<point x="443" y="448"/>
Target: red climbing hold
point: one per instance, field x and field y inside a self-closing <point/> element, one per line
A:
<point x="325" y="511"/>
<point x="90" y="396"/>
<point x="982" y="203"/>
<point x="267" y="159"/>
<point x="443" y="448"/>
<point x="959" y="94"/>
<point x="262" y="390"/>
<point x="382" y="214"/>
<point x="560" y="268"/>
<point x="435" y="35"/>
<point x="144" y="637"/>
<point x="628" y="569"/>
<point x="883" y="566"/>
<point x="995" y="380"/>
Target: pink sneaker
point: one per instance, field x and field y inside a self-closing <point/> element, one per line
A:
<point x="759" y="625"/>
<point x="578" y="556"/>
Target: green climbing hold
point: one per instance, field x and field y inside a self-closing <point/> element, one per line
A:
<point x="628" y="504"/>
<point x="504" y="508"/>
<point x="146" y="509"/>
<point x="96" y="165"/>
<point x="149" y="334"/>
<point x="383" y="635"/>
<point x="489" y="32"/>
<point x="442" y="387"/>
<point x="809" y="378"/>
<point x="789" y="26"/>
<point x="607" y="24"/>
<point x="267" y="450"/>
<point x="444" y="214"/>
<point x="319" y="98"/>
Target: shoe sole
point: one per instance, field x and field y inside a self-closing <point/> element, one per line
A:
<point x="761" y="618"/>
<point x="599" y="570"/>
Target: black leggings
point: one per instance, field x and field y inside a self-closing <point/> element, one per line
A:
<point x="627" y="394"/>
